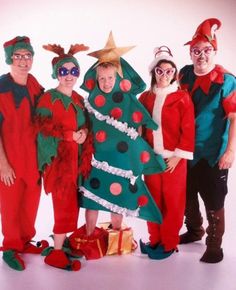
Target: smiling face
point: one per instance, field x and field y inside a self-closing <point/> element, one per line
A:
<point x="202" y="55"/>
<point x="22" y="60"/>
<point x="106" y="77"/>
<point x="66" y="76"/>
<point x="164" y="74"/>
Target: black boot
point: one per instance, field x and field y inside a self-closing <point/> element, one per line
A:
<point x="215" y="231"/>
<point x="193" y="221"/>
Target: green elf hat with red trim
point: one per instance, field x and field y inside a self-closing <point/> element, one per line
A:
<point x="19" y="42"/>
<point x="63" y="57"/>
<point x="206" y="32"/>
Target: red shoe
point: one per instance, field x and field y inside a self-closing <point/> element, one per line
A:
<point x="32" y="249"/>
<point x="58" y="259"/>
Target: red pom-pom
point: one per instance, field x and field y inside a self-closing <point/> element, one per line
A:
<point x="101" y="136"/>
<point x="75" y="266"/>
<point x="115" y="188"/>
<point x="100" y="101"/>
<point x="125" y="85"/>
<point x="137" y="117"/>
<point x="142" y="200"/>
<point x="116" y="113"/>
<point x="90" y="84"/>
<point x="144" y="157"/>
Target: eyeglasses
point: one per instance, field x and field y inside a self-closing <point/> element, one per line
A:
<point x="63" y="71"/>
<point x="198" y="52"/>
<point x="17" y="56"/>
<point x="169" y="72"/>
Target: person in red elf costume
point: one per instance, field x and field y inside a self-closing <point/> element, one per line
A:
<point x="172" y="109"/>
<point x="20" y="184"/>
<point x="62" y="158"/>
<point x="213" y="91"/>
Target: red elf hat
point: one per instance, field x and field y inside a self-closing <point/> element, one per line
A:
<point x="206" y="32"/>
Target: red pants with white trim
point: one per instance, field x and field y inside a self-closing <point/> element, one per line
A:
<point x="169" y="192"/>
<point x="18" y="206"/>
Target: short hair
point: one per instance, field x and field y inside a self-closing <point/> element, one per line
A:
<point x="106" y="65"/>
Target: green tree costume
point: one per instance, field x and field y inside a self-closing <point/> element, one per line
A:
<point x="121" y="156"/>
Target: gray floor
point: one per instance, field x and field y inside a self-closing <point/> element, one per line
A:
<point x="182" y="271"/>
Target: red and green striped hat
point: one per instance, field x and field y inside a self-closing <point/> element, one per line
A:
<point x="19" y="42"/>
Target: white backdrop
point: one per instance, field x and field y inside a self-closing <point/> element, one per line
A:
<point x="145" y="24"/>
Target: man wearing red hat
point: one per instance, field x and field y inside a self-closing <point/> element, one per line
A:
<point x="20" y="180"/>
<point x="213" y="92"/>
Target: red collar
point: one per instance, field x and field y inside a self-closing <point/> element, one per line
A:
<point x="204" y="82"/>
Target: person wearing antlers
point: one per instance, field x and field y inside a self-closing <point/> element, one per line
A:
<point x="62" y="131"/>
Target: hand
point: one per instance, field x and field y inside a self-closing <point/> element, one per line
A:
<point x="80" y="136"/>
<point x="226" y="160"/>
<point x="7" y="174"/>
<point x="171" y="163"/>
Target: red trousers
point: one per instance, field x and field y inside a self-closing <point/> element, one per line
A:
<point x="18" y="205"/>
<point x="66" y="211"/>
<point x="169" y="193"/>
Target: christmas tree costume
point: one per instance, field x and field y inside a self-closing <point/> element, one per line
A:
<point x="121" y="156"/>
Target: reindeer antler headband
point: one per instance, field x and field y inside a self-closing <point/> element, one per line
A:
<point x="62" y="56"/>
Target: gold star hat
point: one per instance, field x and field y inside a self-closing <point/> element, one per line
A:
<point x="126" y="75"/>
<point x="111" y="53"/>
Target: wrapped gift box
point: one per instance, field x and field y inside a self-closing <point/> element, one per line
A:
<point x="119" y="241"/>
<point x="92" y="247"/>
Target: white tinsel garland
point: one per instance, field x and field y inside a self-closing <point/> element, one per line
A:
<point x="103" y="165"/>
<point x="112" y="207"/>
<point x="123" y="127"/>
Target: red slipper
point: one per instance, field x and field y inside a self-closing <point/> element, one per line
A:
<point x="29" y="248"/>
<point x="58" y="259"/>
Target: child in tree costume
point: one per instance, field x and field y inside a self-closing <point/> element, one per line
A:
<point x="20" y="184"/>
<point x="62" y="128"/>
<point x="121" y="155"/>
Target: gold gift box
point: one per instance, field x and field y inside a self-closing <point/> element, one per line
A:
<point x="119" y="241"/>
